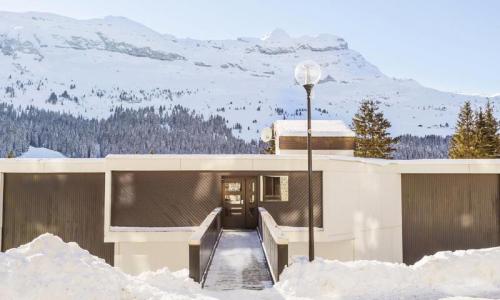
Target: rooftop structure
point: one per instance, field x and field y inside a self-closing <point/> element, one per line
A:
<point x="328" y="137"/>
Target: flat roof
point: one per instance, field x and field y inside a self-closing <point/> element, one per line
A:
<point x="323" y="128"/>
<point x="218" y="157"/>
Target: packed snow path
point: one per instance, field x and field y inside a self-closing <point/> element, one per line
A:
<point x="238" y="263"/>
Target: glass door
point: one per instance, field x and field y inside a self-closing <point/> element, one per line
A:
<point x="239" y="202"/>
<point x="233" y="202"/>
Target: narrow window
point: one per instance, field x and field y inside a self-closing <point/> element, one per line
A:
<point x="275" y="188"/>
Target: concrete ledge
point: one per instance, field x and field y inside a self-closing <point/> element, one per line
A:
<point x="260" y="162"/>
<point x="53" y="165"/>
<point x="149" y="236"/>
<point x="200" y="231"/>
<point x="276" y="233"/>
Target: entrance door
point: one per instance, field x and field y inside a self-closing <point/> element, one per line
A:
<point x="239" y="201"/>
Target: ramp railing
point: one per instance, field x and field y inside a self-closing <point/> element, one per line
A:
<point x="202" y="244"/>
<point x="274" y="242"/>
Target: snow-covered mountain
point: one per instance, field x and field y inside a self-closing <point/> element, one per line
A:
<point x="89" y="67"/>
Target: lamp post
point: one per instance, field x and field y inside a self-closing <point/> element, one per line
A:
<point x="307" y="74"/>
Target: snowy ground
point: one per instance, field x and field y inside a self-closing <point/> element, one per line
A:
<point x="239" y="262"/>
<point x="48" y="268"/>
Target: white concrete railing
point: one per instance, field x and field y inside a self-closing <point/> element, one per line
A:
<point x="274" y="242"/>
<point x="202" y="229"/>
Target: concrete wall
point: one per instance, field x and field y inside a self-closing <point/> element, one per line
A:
<point x="340" y="250"/>
<point x="362" y="214"/>
<point x="365" y="201"/>
<point x="138" y="257"/>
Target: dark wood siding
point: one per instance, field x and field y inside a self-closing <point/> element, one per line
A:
<point x="449" y="212"/>
<point x="185" y="198"/>
<point x="163" y="198"/>
<point x="294" y="211"/>
<point x="68" y="205"/>
<point x="318" y="143"/>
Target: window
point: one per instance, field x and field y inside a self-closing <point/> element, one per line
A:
<point x="275" y="188"/>
<point x="252" y="191"/>
<point x="232" y="186"/>
<point x="233" y="199"/>
<point x="232" y="193"/>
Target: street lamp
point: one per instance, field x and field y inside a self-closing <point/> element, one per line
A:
<point x="307" y="74"/>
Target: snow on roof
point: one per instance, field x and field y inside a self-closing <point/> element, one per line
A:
<point x="319" y="128"/>
<point x="34" y="152"/>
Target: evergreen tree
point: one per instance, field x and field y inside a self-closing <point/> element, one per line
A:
<point x="490" y="144"/>
<point x="11" y="154"/>
<point x="480" y="134"/>
<point x="372" y="138"/>
<point x="421" y="147"/>
<point x="178" y="130"/>
<point x="464" y="141"/>
<point x="52" y="98"/>
<point x="271" y="147"/>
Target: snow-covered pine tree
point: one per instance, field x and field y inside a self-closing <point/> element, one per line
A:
<point x="177" y="130"/>
<point x="52" y="98"/>
<point x="464" y="141"/>
<point x="421" y="147"/>
<point x="491" y="142"/>
<point x="372" y="138"/>
<point x="480" y="132"/>
<point x="270" y="147"/>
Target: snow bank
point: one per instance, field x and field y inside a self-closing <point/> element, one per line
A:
<point x="48" y="268"/>
<point x="474" y="273"/>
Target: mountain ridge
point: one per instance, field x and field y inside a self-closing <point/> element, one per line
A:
<point x="91" y="67"/>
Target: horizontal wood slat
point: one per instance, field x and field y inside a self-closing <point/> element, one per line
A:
<point x="318" y="143"/>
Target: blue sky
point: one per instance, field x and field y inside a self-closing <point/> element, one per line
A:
<point x="451" y="45"/>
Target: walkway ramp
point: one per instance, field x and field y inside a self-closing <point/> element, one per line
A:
<point x="239" y="262"/>
<point x="237" y="259"/>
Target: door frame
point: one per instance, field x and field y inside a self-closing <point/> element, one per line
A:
<point x="246" y="208"/>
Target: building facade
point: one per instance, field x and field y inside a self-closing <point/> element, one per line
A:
<point x="139" y="212"/>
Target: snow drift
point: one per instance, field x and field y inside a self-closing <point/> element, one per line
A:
<point x="445" y="274"/>
<point x="48" y="268"/>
